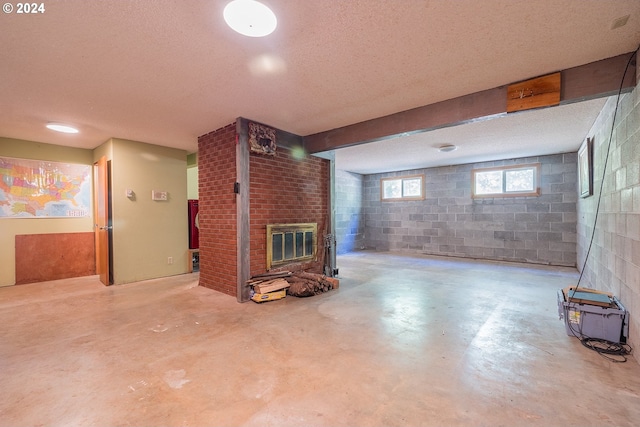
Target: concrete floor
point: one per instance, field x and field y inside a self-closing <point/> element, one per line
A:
<point x="404" y="341"/>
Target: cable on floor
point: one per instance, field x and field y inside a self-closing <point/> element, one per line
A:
<point x="614" y="352"/>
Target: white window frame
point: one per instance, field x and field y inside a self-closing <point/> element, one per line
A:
<point x="504" y="169"/>
<point x="401" y="179"/>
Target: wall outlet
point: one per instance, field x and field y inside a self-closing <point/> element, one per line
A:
<point x="170" y="260"/>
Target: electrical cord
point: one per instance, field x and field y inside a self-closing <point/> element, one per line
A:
<point x="604" y="168"/>
<point x="613" y="351"/>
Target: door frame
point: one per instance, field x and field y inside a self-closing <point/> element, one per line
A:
<point x="102" y="220"/>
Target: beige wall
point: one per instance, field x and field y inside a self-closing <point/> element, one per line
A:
<point x="192" y="176"/>
<point x="192" y="183"/>
<point x="10" y="227"/>
<point x="147" y="232"/>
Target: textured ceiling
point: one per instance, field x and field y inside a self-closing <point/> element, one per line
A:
<point x="534" y="133"/>
<point x="165" y="72"/>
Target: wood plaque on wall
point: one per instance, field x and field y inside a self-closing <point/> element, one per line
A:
<point x="535" y="93"/>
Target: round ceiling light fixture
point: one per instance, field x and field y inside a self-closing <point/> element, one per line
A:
<point x="447" y="148"/>
<point x="61" y="127"/>
<point x="250" y="18"/>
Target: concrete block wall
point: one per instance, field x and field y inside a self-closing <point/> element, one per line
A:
<point x="613" y="263"/>
<point x="217" y="209"/>
<point x="348" y="212"/>
<point x="449" y="222"/>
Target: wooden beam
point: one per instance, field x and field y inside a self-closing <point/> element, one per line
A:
<point x="534" y="93"/>
<point x="597" y="79"/>
<point x="243" y="252"/>
<point x="442" y="114"/>
<point x="594" y="80"/>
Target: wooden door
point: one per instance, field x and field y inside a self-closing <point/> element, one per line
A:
<point x="101" y="215"/>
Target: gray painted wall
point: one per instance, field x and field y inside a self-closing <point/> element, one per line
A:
<point x="449" y="222"/>
<point x="613" y="264"/>
<point x="349" y="218"/>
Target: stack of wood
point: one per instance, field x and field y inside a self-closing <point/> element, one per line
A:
<point x="270" y="285"/>
<point x="303" y="284"/>
<point x="298" y="284"/>
<point x="269" y="282"/>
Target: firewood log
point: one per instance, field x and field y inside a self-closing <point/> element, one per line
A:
<point x="300" y="289"/>
<point x="270" y="286"/>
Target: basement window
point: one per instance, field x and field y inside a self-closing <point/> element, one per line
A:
<point x="506" y="181"/>
<point x="403" y="188"/>
<point x="288" y="243"/>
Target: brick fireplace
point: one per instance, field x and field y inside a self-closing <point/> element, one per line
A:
<point x="285" y="188"/>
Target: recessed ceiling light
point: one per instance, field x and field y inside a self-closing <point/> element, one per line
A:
<point x="447" y="148"/>
<point x="250" y="18"/>
<point x="61" y="127"/>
